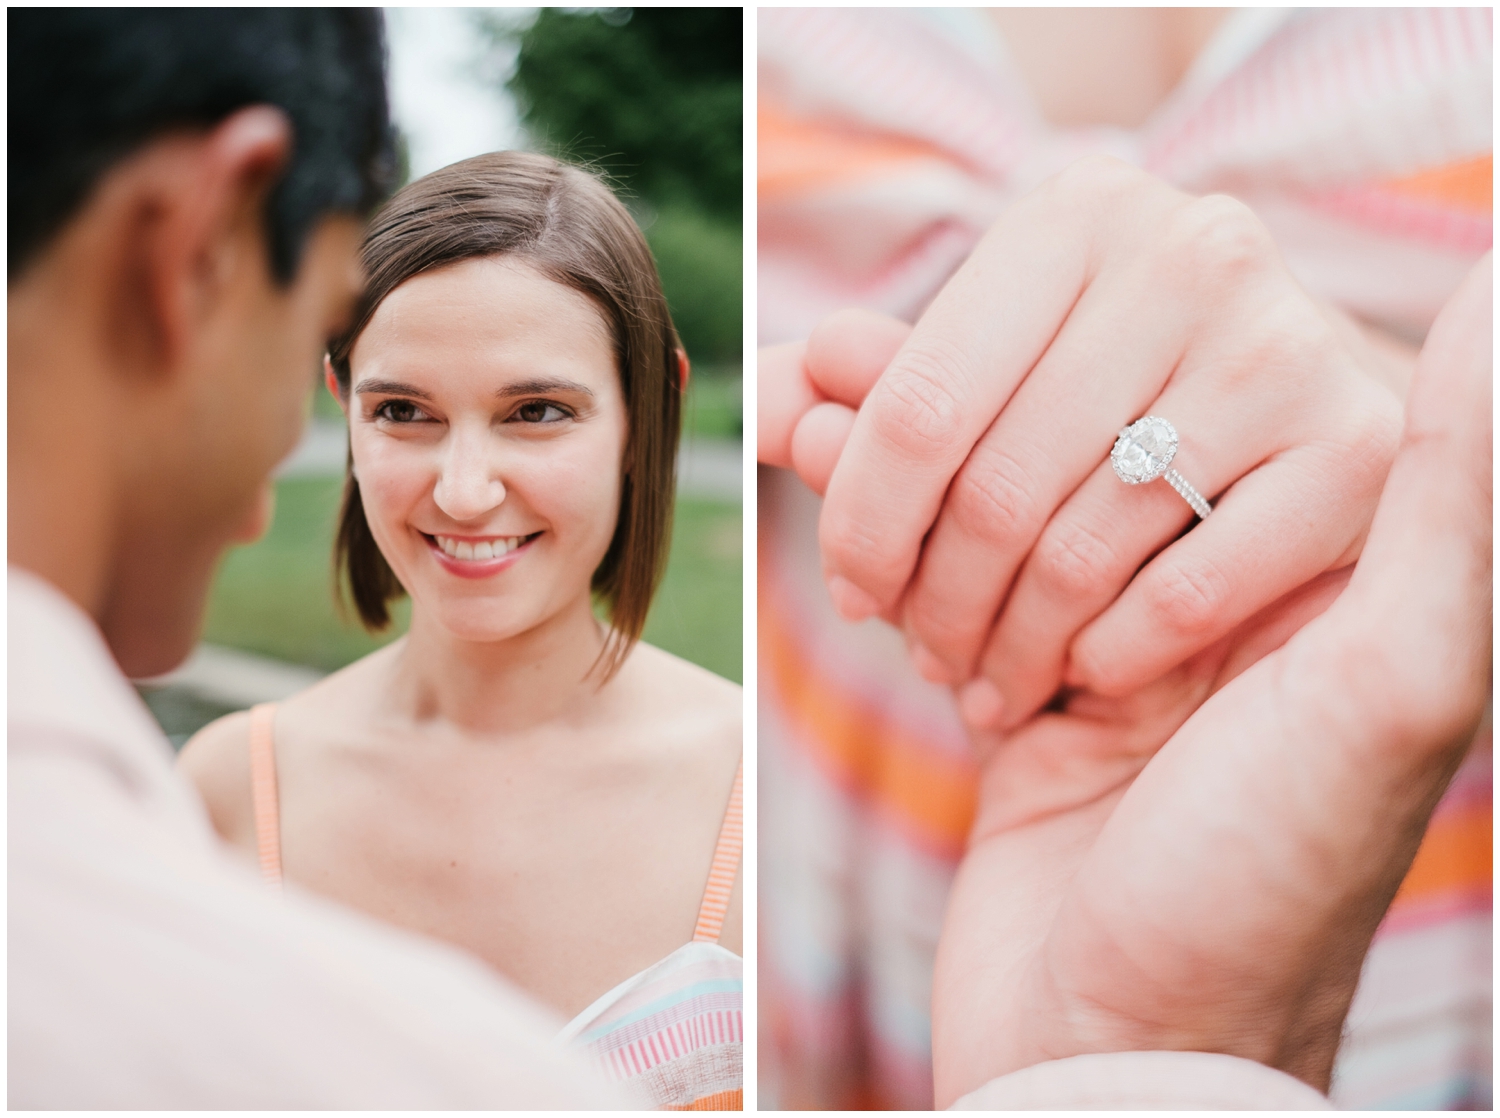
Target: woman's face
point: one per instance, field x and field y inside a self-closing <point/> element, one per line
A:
<point x="488" y="426"/>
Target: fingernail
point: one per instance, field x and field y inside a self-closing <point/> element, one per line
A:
<point x="852" y="603"/>
<point x="929" y="667"/>
<point x="980" y="704"/>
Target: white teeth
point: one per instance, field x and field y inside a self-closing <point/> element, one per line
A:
<point x="482" y="549"/>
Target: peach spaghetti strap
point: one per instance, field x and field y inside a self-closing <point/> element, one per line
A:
<point x="726" y="866"/>
<point x="263" y="794"/>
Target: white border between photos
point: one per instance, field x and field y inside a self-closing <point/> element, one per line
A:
<point x="749" y="523"/>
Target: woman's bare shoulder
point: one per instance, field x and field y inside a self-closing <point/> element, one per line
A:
<point x="688" y="686"/>
<point x="684" y="706"/>
<point x="217" y="760"/>
<point x="217" y="757"/>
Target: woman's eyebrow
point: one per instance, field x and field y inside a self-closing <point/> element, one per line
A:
<point x="542" y="387"/>
<point x="390" y="388"/>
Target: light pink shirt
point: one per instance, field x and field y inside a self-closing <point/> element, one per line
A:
<point x="150" y="969"/>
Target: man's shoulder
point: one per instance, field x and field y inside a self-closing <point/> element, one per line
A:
<point x="150" y="970"/>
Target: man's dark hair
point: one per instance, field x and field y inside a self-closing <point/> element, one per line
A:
<point x="88" y="86"/>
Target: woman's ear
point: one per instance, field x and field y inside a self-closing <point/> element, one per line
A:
<point x="330" y="378"/>
<point x="684" y="369"/>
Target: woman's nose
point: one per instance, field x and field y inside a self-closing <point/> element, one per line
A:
<point x="469" y="484"/>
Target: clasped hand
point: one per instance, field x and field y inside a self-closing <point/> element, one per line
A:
<point x="1201" y="783"/>
<point x="969" y="497"/>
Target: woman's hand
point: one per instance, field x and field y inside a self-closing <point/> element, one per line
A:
<point x="975" y="474"/>
<point x="1219" y="893"/>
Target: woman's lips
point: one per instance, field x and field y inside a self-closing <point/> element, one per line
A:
<point x="505" y="551"/>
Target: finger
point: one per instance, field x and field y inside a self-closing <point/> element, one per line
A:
<point x="1275" y="529"/>
<point x="982" y="334"/>
<point x="1083" y="604"/>
<point x="1109" y="360"/>
<point x="1417" y="617"/>
<point x="848" y="350"/>
<point x="784" y="393"/>
<point x="818" y="441"/>
<point x="1232" y="416"/>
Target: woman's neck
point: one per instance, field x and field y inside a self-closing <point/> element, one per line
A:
<point x="507" y="686"/>
<point x="1104" y="66"/>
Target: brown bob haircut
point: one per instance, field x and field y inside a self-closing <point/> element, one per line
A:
<point x="566" y="224"/>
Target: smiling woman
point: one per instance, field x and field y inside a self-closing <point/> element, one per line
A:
<point x="486" y="441"/>
<point x="513" y="775"/>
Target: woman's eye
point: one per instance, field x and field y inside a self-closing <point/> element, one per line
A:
<point x="400" y="411"/>
<point x="539" y="411"/>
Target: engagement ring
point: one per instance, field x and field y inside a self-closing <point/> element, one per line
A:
<point x="1143" y="452"/>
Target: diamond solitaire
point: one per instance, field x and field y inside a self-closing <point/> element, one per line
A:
<point x="1144" y="450"/>
<point x="1143" y="453"/>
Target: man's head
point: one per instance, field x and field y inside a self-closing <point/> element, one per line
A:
<point x="187" y="190"/>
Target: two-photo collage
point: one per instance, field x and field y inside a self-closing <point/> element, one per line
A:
<point x="697" y="559"/>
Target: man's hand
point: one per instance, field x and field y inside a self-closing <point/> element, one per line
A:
<point x="1219" y="894"/>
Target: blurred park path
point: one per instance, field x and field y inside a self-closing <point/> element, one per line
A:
<point x="216" y="680"/>
<point x="710" y="468"/>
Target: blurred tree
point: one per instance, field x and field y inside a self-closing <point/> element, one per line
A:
<point x="653" y="97"/>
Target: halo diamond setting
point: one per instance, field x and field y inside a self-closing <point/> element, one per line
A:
<point x="1144" y="452"/>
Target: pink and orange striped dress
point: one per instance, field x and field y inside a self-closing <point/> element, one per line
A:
<point x="889" y="140"/>
<point x="672" y="1034"/>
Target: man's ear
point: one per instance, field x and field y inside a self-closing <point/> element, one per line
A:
<point x="330" y="378"/>
<point x="684" y="369"/>
<point x="203" y="223"/>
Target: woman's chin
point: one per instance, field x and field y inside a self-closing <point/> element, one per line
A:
<point x="480" y="626"/>
<point x="477" y="621"/>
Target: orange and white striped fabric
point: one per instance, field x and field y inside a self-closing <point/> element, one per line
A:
<point x="889" y="140"/>
<point x="673" y="1033"/>
<point x="725" y="867"/>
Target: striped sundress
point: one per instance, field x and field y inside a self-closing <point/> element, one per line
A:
<point x="889" y="140"/>
<point x="673" y="1034"/>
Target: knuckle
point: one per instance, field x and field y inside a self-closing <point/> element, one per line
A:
<point x="1287" y="341"/>
<point x="993" y="499"/>
<point x="1219" y="236"/>
<point x="920" y="409"/>
<point x="1072" y="562"/>
<point x="951" y="630"/>
<point x="860" y="550"/>
<point x="1094" y="178"/>
<point x="1189" y="597"/>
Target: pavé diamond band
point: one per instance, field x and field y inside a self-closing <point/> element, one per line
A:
<point x="1143" y="453"/>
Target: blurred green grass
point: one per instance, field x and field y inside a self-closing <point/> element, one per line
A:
<point x="275" y="596"/>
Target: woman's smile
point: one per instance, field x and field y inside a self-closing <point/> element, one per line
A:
<point x="477" y="556"/>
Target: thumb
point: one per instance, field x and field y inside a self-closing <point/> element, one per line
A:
<point x="783" y="396"/>
<point x="1417" y="610"/>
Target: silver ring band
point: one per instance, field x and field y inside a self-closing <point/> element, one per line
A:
<point x="1144" y="451"/>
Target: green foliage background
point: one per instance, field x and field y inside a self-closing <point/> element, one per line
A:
<point x="652" y="97"/>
